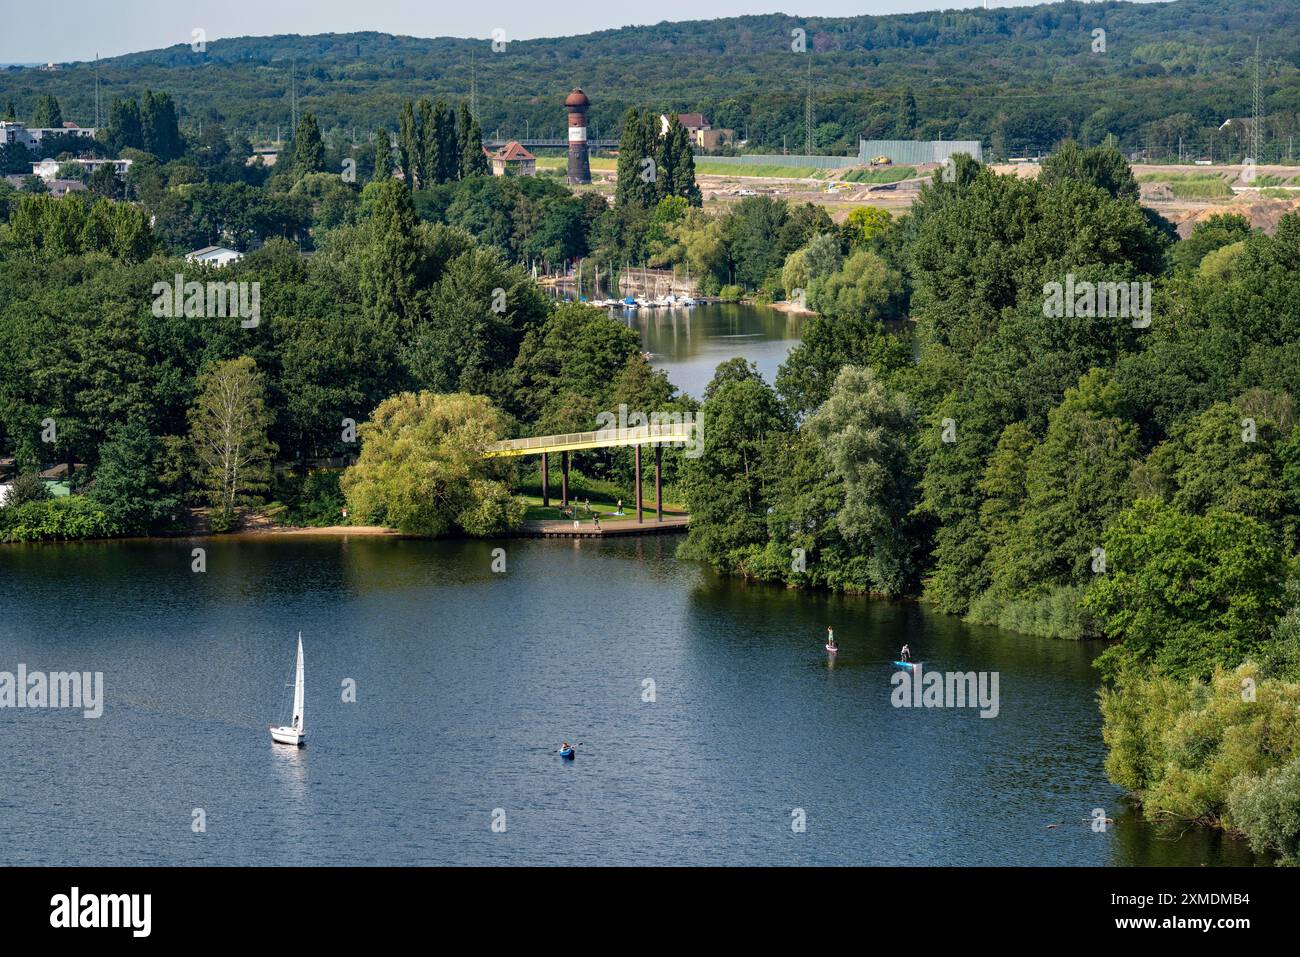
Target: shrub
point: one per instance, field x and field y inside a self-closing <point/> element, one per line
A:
<point x="314" y="499"/>
<point x="1182" y="746"/>
<point x="1267" y="810"/>
<point x="56" y="519"/>
<point x="27" y="487"/>
<point x="1056" y="614"/>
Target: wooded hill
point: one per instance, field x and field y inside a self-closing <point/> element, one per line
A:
<point x="1017" y="78"/>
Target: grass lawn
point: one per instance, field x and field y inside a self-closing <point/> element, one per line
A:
<point x="536" y="513"/>
<point x="1191" y="185"/>
<point x="890" y="174"/>
<point x="606" y="163"/>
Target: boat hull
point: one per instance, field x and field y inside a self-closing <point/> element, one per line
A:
<point x="905" y="664"/>
<point x="568" y="754"/>
<point x="288" y="736"/>
<point x="832" y="649"/>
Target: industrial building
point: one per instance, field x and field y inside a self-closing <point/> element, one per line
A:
<point x="917" y="152"/>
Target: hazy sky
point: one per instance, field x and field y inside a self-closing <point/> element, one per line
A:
<point x="64" y="30"/>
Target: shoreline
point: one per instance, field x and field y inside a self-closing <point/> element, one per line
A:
<point x="791" y="308"/>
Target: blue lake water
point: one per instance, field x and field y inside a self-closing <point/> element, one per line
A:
<point x="467" y="680"/>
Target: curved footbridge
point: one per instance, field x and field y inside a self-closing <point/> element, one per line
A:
<point x="684" y="434"/>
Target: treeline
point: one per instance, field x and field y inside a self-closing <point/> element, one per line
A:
<point x="102" y="373"/>
<point x="1014" y="77"/>
<point x="1131" y="473"/>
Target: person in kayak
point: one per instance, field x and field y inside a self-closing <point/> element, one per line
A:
<point x="905" y="654"/>
<point x="564" y="746"/>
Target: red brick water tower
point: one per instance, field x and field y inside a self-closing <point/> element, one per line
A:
<point x="579" y="164"/>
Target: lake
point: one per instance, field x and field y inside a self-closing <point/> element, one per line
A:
<point x="689" y="343"/>
<point x="467" y="680"/>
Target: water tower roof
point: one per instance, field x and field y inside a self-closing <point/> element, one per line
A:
<point x="577" y="98"/>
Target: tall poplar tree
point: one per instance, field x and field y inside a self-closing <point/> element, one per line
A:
<point x="426" y="163"/>
<point x="462" y="135"/>
<point x="383" y="155"/>
<point x="472" y="160"/>
<point x="447" y="142"/>
<point x="308" y="148"/>
<point x="407" y="146"/>
<point x="48" y="115"/>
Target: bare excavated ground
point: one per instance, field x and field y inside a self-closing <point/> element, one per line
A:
<point x="1259" y="204"/>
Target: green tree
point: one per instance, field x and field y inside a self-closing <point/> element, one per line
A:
<point x="422" y="470"/>
<point x="865" y="430"/>
<point x="446" y="160"/>
<point x="48" y="114"/>
<point x="124" y="125"/>
<point x="426" y="154"/>
<point x="638" y="173"/>
<point x="158" y="126"/>
<point x="1186" y="593"/>
<point x="27" y="487"/>
<point x="127" y="480"/>
<point x="308" y="148"/>
<point x="1214" y="232"/>
<point x="1101" y="166"/>
<point x="383" y="156"/>
<point x="578" y="350"/>
<point x="725" y="486"/>
<point x="408" y="146"/>
<point x="477" y="315"/>
<point x="228" y="426"/>
<point x="473" y="161"/>
<point x="388" y="259"/>
<point x="865" y="223"/>
<point x="1076" y="480"/>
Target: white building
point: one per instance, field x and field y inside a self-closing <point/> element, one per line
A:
<point x="11" y="133"/>
<point x="48" y="169"/>
<point x="214" y="256"/>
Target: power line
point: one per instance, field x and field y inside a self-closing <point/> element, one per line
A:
<point x="808" y="112"/>
<point x="1258" y="109"/>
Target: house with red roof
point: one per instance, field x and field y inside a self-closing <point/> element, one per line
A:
<point x="513" y="160"/>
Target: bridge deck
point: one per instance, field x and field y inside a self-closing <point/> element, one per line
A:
<point x="603" y="439"/>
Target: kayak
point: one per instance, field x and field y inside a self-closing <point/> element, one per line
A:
<point x="832" y="649"/>
<point x="906" y="664"/>
<point x="567" y="753"/>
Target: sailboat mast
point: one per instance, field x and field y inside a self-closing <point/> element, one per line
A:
<point x="298" y="695"/>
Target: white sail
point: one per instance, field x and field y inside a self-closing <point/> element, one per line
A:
<point x="298" y="690"/>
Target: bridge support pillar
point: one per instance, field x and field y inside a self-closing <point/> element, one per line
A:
<point x="564" y="479"/>
<point x="546" y="481"/>
<point x="637" y="450"/>
<point x="659" y="483"/>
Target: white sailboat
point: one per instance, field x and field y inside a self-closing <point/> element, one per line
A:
<point x="294" y="733"/>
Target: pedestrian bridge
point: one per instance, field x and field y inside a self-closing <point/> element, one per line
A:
<point x="684" y="433"/>
<point x="603" y="439"/>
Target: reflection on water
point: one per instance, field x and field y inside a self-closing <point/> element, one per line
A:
<point x="689" y="343"/>
<point x="466" y="682"/>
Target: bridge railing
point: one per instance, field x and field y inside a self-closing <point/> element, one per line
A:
<point x="601" y="438"/>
